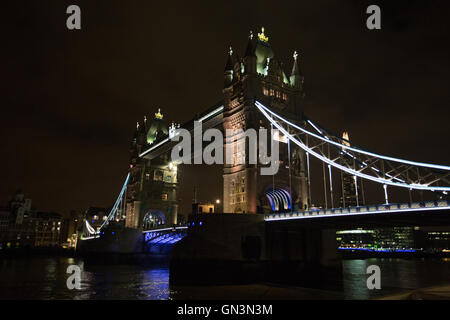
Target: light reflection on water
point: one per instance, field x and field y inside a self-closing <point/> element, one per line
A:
<point x="45" y="278"/>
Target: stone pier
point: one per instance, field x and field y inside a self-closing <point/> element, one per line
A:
<point x="240" y="248"/>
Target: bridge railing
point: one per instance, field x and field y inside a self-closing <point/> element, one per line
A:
<point x="370" y="209"/>
<point x="164" y="235"/>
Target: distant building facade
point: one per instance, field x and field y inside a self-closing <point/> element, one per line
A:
<point x="206" y="207"/>
<point x="351" y="187"/>
<point x="23" y="227"/>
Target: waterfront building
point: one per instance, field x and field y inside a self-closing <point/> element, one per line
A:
<point x="48" y="229"/>
<point x="204" y="207"/>
<point x="23" y="227"/>
<point x="358" y="238"/>
<point x="71" y="227"/>
<point x="433" y="239"/>
<point x="394" y="238"/>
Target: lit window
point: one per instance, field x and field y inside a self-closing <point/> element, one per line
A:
<point x="147" y="176"/>
<point x="265" y="91"/>
<point x="164" y="196"/>
<point x="271" y="92"/>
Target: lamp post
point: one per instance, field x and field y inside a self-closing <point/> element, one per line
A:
<point x="216" y="208"/>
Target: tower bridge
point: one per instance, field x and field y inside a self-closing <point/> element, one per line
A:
<point x="258" y="209"/>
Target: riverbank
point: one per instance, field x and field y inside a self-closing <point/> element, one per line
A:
<point x="366" y="254"/>
<point x="431" y="293"/>
<point x="38" y="251"/>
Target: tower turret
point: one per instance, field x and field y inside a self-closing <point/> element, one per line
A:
<point x="228" y="73"/>
<point x="250" y="56"/>
<point x="296" y="78"/>
<point x="158" y="128"/>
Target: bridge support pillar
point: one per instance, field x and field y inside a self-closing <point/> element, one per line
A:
<point x="242" y="247"/>
<point x="329" y="254"/>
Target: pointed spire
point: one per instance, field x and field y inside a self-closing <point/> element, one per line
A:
<point x="250" y="51"/>
<point x="295" y="68"/>
<point x="296" y="78"/>
<point x="159" y="114"/>
<point x="262" y="37"/>
<point x="229" y="65"/>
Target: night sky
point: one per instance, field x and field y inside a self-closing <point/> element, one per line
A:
<point x="70" y="99"/>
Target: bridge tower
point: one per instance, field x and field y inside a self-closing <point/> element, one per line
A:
<point x="260" y="75"/>
<point x="152" y="192"/>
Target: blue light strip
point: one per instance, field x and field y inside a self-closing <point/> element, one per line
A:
<point x="164" y="229"/>
<point x="340" y="167"/>
<point x="377" y="250"/>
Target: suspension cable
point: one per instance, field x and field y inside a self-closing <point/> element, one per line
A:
<point x="420" y="164"/>
<point x="340" y="167"/>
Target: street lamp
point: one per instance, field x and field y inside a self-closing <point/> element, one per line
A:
<point x="216" y="207"/>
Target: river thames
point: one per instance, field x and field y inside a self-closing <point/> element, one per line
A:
<point x="45" y="278"/>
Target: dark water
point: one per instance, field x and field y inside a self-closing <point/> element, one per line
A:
<point x="45" y="278"/>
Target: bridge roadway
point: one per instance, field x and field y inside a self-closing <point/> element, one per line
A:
<point x="436" y="213"/>
<point x="431" y="213"/>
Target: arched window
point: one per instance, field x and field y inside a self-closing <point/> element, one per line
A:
<point x="153" y="219"/>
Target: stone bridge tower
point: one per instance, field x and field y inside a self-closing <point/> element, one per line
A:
<point x="260" y="75"/>
<point x="152" y="192"/>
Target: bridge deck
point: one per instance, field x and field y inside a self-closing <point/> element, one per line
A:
<point x="437" y="212"/>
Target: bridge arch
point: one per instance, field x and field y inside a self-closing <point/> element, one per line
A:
<point x="153" y="219"/>
<point x="278" y="199"/>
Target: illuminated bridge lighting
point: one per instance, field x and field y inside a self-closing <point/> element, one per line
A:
<point x="279" y="199"/>
<point x="420" y="164"/>
<point x="205" y="117"/>
<point x="383" y="181"/>
<point x="164" y="229"/>
<point x="363" y="210"/>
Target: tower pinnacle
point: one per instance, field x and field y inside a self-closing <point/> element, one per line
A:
<point x="159" y="114"/>
<point x="262" y="36"/>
